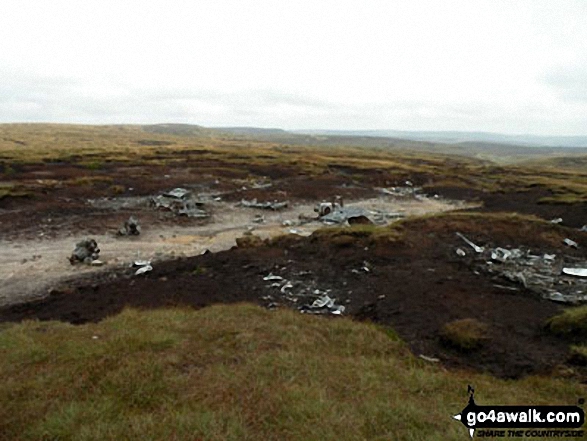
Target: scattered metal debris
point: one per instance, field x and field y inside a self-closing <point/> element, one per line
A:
<point x="583" y="228"/>
<point x="144" y="266"/>
<point x="571" y="243"/>
<point x="461" y="252"/>
<point x="259" y="219"/>
<point x="131" y="227"/>
<point x="85" y="251"/>
<point x="547" y="275"/>
<point x="323" y="305"/>
<point x="181" y="202"/>
<point x="408" y="190"/>
<point x="471" y="244"/>
<point x="275" y="205"/>
<point x="558" y="220"/>
<point x="300" y="292"/>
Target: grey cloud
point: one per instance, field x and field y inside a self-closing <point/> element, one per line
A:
<point x="25" y="97"/>
<point x="569" y="83"/>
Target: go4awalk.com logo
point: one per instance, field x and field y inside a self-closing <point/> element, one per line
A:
<point x="522" y="421"/>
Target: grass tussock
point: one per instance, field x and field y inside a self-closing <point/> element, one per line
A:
<point x="372" y="234"/>
<point x="251" y="241"/>
<point x="235" y="373"/>
<point x="465" y="334"/>
<point x="8" y="190"/>
<point x="90" y="180"/>
<point x="579" y="355"/>
<point x="570" y="323"/>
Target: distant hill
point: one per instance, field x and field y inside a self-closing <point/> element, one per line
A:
<point x="564" y="151"/>
<point x="178" y="129"/>
<point x="461" y="137"/>
<point x="253" y="131"/>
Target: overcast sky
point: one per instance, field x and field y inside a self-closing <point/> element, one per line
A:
<point x="500" y="66"/>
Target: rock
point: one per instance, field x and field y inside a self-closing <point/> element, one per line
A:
<point x="85" y="251"/>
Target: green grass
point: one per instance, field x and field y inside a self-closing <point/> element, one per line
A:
<point x="570" y="323"/>
<point x="579" y="354"/>
<point x="12" y="190"/>
<point x="372" y="234"/>
<point x="236" y="373"/>
<point x="465" y="334"/>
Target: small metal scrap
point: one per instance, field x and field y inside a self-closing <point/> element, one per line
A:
<point x="571" y="243"/>
<point x="288" y="285"/>
<point x="556" y="297"/>
<point x="272" y="277"/>
<point x="557" y="220"/>
<point x="507" y="288"/>
<point x="460" y="252"/>
<point x="143" y="265"/>
<point x="500" y="254"/>
<point x="429" y="359"/>
<point x="578" y="272"/>
<point x="477" y="249"/>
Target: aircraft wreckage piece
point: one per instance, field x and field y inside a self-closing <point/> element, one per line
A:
<point x="131" y="227"/>
<point x="181" y="202"/>
<point x="357" y="215"/>
<point x="577" y="272"/>
<point x="477" y="249"/>
<point x="571" y="243"/>
<point x="275" y="205"/>
<point x="144" y="266"/>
